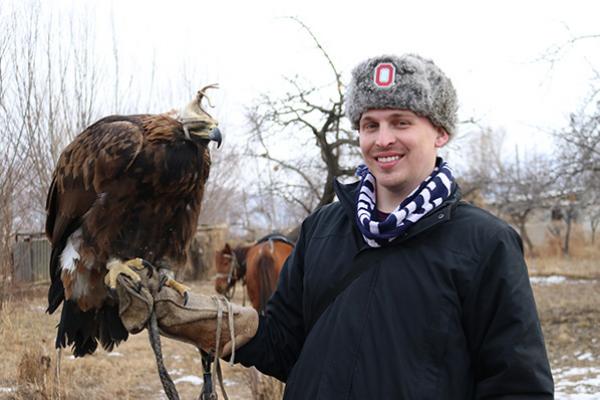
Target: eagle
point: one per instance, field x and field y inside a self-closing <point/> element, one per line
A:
<point x="127" y="188"/>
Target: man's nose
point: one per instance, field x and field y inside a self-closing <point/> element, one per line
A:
<point x="385" y="136"/>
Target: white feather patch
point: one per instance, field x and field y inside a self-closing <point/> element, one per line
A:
<point x="70" y="255"/>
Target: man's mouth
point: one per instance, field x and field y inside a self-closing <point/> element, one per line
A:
<point x="387" y="159"/>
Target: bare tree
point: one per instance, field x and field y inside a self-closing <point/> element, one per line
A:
<point x="47" y="96"/>
<point x="580" y="158"/>
<point x="51" y="74"/>
<point x="522" y="187"/>
<point x="50" y="90"/>
<point x="594" y="219"/>
<point x="565" y="213"/>
<point x="587" y="186"/>
<point x="11" y="156"/>
<point x="514" y="188"/>
<point x="581" y="139"/>
<point x="484" y="154"/>
<point x="226" y="197"/>
<point x="308" y="120"/>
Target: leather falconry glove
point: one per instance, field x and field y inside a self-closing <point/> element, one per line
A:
<point x="197" y="321"/>
<point x="209" y="322"/>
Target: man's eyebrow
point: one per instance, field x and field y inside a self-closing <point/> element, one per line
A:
<point x="395" y="114"/>
<point x="401" y="113"/>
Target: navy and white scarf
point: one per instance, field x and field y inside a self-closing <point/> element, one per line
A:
<point x="430" y="194"/>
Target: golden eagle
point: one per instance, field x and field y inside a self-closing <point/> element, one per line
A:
<point x="127" y="187"/>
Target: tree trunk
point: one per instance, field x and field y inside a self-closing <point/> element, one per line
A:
<point x="328" y="192"/>
<point x="568" y="222"/>
<point x="523" y="231"/>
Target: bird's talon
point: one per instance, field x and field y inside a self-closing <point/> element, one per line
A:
<point x="178" y="287"/>
<point x="149" y="267"/>
<point x="117" y="268"/>
<point x="162" y="282"/>
<point x="186" y="297"/>
<point x="137" y="263"/>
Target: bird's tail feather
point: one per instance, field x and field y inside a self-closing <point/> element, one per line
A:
<point x="76" y="328"/>
<point x="111" y="329"/>
<point x="82" y="329"/>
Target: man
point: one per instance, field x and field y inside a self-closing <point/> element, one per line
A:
<point x="400" y="290"/>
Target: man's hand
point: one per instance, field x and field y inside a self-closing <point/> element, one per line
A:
<point x="195" y="321"/>
<point x="199" y="320"/>
<point x="135" y="304"/>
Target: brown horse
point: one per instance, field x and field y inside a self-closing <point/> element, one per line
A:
<point x="256" y="265"/>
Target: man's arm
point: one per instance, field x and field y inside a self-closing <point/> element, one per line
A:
<point x="273" y="348"/>
<point x="503" y="328"/>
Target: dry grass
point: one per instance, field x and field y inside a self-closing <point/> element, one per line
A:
<point x="569" y="314"/>
<point x="27" y="365"/>
<point x="582" y="262"/>
<point x="34" y="375"/>
<point x="263" y="387"/>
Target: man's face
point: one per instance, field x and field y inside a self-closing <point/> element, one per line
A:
<point x="400" y="149"/>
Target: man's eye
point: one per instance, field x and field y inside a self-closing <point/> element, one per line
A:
<point x="370" y="126"/>
<point x="401" y="123"/>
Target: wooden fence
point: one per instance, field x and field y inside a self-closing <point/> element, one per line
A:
<point x="31" y="258"/>
<point x="31" y="254"/>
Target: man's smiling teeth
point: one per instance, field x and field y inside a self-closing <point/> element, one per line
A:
<point x="388" y="159"/>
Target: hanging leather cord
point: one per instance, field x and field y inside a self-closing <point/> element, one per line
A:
<point x="208" y="390"/>
<point x="165" y="378"/>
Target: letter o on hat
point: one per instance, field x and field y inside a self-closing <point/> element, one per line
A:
<point x="383" y="75"/>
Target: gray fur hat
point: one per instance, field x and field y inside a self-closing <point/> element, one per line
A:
<point x="406" y="82"/>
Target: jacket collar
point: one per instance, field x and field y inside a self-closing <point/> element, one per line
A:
<point x="347" y="194"/>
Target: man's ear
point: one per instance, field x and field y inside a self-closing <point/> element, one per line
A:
<point x="442" y="137"/>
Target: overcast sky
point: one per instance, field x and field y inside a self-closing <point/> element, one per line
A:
<point x="491" y="50"/>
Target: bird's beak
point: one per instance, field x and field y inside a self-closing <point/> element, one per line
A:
<point x="215" y="135"/>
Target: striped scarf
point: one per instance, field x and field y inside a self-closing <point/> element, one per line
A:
<point x="430" y="194"/>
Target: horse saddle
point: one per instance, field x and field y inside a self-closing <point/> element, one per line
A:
<point x="276" y="237"/>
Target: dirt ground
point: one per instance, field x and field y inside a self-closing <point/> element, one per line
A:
<point x="128" y="372"/>
<point x="569" y="309"/>
<point x="570" y="314"/>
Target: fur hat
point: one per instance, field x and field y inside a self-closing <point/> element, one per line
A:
<point x="406" y="82"/>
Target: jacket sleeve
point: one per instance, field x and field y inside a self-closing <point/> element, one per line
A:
<point x="502" y="325"/>
<point x="280" y="336"/>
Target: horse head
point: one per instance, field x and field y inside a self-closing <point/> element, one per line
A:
<point x="230" y="266"/>
<point x="224" y="265"/>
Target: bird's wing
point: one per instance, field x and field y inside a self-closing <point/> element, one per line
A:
<point x="95" y="157"/>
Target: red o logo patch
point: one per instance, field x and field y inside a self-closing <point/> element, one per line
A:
<point x="384" y="75"/>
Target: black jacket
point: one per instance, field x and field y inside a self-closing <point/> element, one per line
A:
<point x="445" y="312"/>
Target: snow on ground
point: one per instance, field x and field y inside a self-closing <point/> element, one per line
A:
<point x="578" y="383"/>
<point x="585" y="356"/>
<point x="229" y="382"/>
<point x="547" y="280"/>
<point x="193" y="379"/>
<point x="557" y="279"/>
